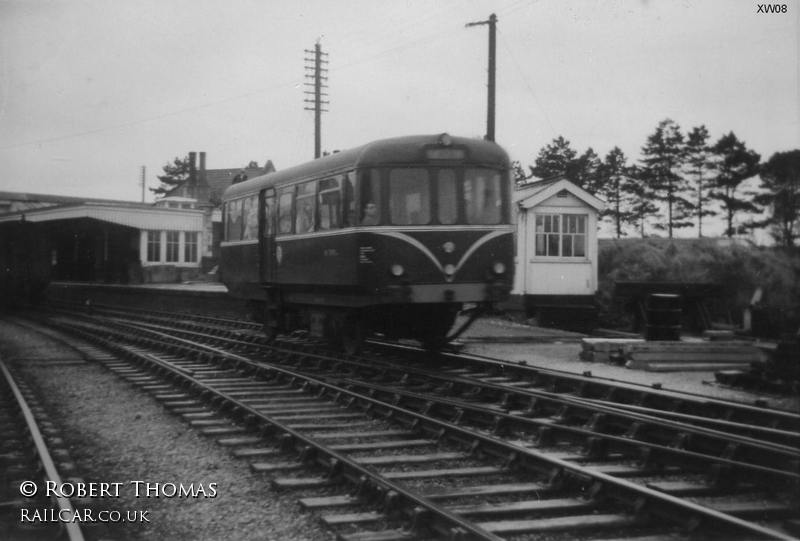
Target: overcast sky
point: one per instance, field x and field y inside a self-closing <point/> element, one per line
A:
<point x="91" y="91"/>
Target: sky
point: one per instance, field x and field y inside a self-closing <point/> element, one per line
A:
<point x="92" y="91"/>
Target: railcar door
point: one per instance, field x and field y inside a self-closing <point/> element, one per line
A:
<point x="267" y="262"/>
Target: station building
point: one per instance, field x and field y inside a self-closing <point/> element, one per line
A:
<point x="175" y="239"/>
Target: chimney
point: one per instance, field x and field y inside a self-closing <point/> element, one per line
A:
<point x="202" y="191"/>
<point x="191" y="192"/>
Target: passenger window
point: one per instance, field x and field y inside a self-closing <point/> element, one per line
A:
<point x="269" y="214"/>
<point x="235" y="220"/>
<point x="370" y="211"/>
<point x="330" y="204"/>
<point x="250" y="218"/>
<point x="285" y="210"/>
<point x="446" y="196"/>
<point x="409" y="196"/>
<point x="304" y="220"/>
<point x="349" y="200"/>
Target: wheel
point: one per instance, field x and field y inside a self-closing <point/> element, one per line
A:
<point x="271" y="324"/>
<point x="433" y="330"/>
<point x="352" y="337"/>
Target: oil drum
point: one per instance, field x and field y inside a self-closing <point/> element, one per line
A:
<point x="664" y="314"/>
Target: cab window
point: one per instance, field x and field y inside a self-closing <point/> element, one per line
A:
<point x="409" y="196"/>
<point x="482" y="198"/>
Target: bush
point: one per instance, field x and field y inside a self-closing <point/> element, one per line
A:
<point x="739" y="268"/>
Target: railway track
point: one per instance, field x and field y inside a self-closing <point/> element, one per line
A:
<point x="33" y="455"/>
<point x="456" y="464"/>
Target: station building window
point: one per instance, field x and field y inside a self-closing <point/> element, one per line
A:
<point x="153" y="246"/>
<point x="561" y="235"/>
<point x="190" y="247"/>
<point x="178" y="247"/>
<point x="173" y="246"/>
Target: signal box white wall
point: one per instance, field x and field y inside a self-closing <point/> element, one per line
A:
<point x="556" y="239"/>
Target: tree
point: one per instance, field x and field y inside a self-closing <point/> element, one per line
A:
<point x="554" y="159"/>
<point x="640" y="192"/>
<point x="584" y="171"/>
<point x="175" y="174"/>
<point x="616" y="187"/>
<point x="520" y="177"/>
<point x="663" y="159"/>
<point x="699" y="162"/>
<point x="780" y="178"/>
<point x="735" y="163"/>
<point x="559" y="158"/>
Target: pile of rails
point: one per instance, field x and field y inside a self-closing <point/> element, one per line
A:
<point x="672" y="355"/>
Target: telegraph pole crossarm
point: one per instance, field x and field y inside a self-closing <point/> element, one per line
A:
<point x="317" y="75"/>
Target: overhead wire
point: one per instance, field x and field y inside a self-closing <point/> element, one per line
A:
<point x="432" y="36"/>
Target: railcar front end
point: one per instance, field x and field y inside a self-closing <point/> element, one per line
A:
<point x="394" y="237"/>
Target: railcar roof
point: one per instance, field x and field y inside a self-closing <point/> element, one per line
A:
<point x="406" y="149"/>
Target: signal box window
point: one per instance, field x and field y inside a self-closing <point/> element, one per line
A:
<point x="482" y="198"/>
<point x="330" y="204"/>
<point x="409" y="199"/>
<point x="285" y="211"/>
<point x="304" y="221"/>
<point x="447" y="197"/>
<point x="561" y="235"/>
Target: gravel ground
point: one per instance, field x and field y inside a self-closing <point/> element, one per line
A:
<point x="119" y="434"/>
<point x="116" y="433"/>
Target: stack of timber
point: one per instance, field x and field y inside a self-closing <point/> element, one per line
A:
<point x="606" y="350"/>
<point x="672" y="356"/>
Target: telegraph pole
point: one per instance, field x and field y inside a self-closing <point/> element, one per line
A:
<point x="492" y="22"/>
<point x="144" y="169"/>
<point x="318" y="74"/>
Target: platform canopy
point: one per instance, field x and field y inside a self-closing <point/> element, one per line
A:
<point x="136" y="215"/>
